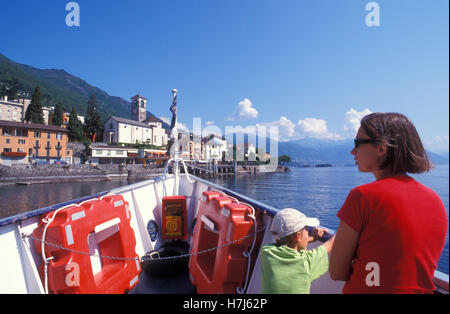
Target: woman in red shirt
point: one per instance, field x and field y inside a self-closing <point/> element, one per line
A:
<point x="392" y="231"/>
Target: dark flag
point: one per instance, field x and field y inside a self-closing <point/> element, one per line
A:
<point x="173" y="109"/>
<point x="173" y="125"/>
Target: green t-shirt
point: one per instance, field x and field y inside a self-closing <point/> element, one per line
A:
<point x="286" y="270"/>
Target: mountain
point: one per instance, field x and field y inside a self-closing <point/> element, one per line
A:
<point x="60" y="86"/>
<point x="312" y="151"/>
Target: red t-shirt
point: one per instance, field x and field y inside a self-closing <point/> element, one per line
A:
<point x="402" y="227"/>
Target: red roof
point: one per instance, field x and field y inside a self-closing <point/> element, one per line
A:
<point x="32" y="126"/>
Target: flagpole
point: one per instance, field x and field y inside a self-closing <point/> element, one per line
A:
<point x="174" y="139"/>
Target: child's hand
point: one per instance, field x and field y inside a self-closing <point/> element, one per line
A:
<point x="318" y="233"/>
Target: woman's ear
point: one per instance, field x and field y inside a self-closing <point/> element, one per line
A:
<point x="381" y="150"/>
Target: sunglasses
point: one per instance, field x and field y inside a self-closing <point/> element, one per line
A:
<point x="359" y="141"/>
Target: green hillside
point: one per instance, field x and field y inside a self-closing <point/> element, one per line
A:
<point x="58" y="86"/>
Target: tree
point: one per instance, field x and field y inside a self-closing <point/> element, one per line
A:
<point x="94" y="126"/>
<point x="86" y="153"/>
<point x="34" y="110"/>
<point x="58" y="115"/>
<point x="75" y="127"/>
<point x="284" y="159"/>
<point x="14" y="89"/>
<point x="3" y="90"/>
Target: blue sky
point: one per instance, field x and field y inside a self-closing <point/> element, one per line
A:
<point x="312" y="68"/>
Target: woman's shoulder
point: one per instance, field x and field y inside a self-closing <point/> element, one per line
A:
<point x="387" y="183"/>
<point x="395" y="185"/>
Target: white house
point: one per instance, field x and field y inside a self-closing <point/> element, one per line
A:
<point x="217" y="148"/>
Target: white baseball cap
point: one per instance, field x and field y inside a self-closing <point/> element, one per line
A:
<point x="289" y="221"/>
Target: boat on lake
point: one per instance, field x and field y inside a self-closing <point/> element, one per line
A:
<point x="173" y="234"/>
<point x="176" y="233"/>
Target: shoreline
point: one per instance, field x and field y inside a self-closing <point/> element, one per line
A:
<point x="42" y="174"/>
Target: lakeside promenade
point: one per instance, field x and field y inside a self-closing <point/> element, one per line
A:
<point x="29" y="174"/>
<point x="34" y="174"/>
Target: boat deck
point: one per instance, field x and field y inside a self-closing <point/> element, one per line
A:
<point x="177" y="284"/>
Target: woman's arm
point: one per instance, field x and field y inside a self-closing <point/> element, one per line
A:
<point x="343" y="251"/>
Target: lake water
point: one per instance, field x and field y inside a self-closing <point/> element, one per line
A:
<point x="318" y="192"/>
<point x="16" y="199"/>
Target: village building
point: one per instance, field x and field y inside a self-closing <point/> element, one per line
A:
<point x="23" y="143"/>
<point x="138" y="130"/>
<point x="216" y="148"/>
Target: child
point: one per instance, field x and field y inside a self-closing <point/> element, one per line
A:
<point x="287" y="267"/>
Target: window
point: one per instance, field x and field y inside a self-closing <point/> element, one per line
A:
<point x="7" y="132"/>
<point x="20" y="150"/>
<point x="59" y="136"/>
<point x="7" y="141"/>
<point x="22" y="132"/>
<point x="37" y="134"/>
<point x="7" y="150"/>
<point x="48" y="135"/>
<point x="119" y="152"/>
<point x="21" y="142"/>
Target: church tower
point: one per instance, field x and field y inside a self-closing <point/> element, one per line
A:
<point x="138" y="108"/>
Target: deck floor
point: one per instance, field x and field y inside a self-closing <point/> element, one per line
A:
<point x="178" y="284"/>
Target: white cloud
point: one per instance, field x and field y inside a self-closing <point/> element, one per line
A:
<point x="166" y="120"/>
<point x="353" y="120"/>
<point x="289" y="131"/>
<point x="438" y="144"/>
<point x="313" y="126"/>
<point x="317" y="128"/>
<point x="180" y="125"/>
<point x="286" y="129"/>
<point x="243" y="111"/>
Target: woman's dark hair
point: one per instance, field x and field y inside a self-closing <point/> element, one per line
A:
<point x="405" y="151"/>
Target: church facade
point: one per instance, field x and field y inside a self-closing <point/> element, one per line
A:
<point x="139" y="129"/>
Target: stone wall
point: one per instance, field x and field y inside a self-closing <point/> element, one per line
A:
<point x="30" y="173"/>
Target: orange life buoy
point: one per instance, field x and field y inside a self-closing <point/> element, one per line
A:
<point x="90" y="248"/>
<point x="221" y="220"/>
